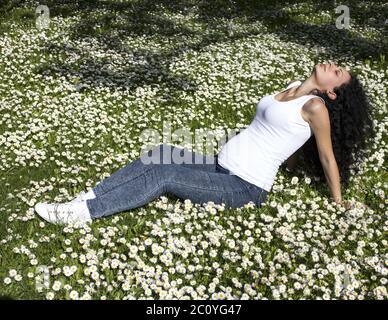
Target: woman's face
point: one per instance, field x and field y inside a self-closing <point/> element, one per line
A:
<point x="329" y="75"/>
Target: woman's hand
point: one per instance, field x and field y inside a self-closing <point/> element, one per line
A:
<point x="351" y="204"/>
<point x="347" y="204"/>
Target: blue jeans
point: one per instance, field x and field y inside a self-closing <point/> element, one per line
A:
<point x="199" y="178"/>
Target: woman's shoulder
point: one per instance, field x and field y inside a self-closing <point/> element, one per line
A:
<point x="314" y="107"/>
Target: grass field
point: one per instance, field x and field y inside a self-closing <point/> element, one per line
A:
<point x="76" y="97"/>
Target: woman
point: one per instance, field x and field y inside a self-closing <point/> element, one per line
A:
<point x="333" y="121"/>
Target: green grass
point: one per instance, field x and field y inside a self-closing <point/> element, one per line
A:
<point x="209" y="62"/>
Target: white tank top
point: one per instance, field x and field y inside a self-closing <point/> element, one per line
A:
<point x="276" y="132"/>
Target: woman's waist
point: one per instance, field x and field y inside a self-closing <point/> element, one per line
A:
<point x="220" y="168"/>
<point x="257" y="181"/>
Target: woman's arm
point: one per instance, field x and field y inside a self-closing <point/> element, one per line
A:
<point x="333" y="179"/>
<point x="318" y="118"/>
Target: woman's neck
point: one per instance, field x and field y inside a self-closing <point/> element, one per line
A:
<point x="307" y="87"/>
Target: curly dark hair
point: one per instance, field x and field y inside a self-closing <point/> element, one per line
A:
<point x="351" y="126"/>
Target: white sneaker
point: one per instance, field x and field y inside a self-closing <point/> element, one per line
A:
<point x="83" y="196"/>
<point x="79" y="198"/>
<point x="64" y="213"/>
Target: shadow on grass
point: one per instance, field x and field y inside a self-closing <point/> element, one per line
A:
<point x="152" y="18"/>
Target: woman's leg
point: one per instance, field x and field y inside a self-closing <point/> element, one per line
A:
<point x="163" y="153"/>
<point x="145" y="182"/>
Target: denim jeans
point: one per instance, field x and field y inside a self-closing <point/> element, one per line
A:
<point x="199" y="178"/>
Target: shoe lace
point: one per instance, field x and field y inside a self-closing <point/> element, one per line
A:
<point x="60" y="215"/>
